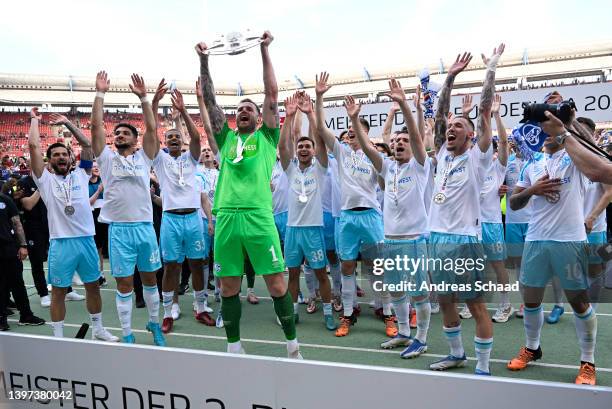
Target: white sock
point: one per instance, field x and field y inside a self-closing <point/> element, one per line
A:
<point x="167" y="301"/>
<point x="234" y="347"/>
<point x="206" y="276"/>
<point x="334" y="270"/>
<point x="311" y="281"/>
<point x="504" y="298"/>
<point x="200" y="299"/>
<point x="151" y="299"/>
<point x="250" y="291"/>
<point x="58" y="329"/>
<point x="423" y="314"/>
<point x="124" y="309"/>
<point x="327" y="308"/>
<point x="292" y="345"/>
<point x="402" y="312"/>
<point x="586" y="329"/>
<point x="533" y="320"/>
<point x="348" y="294"/>
<point x="483" y="348"/>
<point x="376" y="295"/>
<point x="453" y="337"/>
<point x="96" y="321"/>
<point x="296" y="307"/>
<point x="386" y="302"/>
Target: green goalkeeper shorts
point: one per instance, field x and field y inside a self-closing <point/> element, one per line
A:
<point x="241" y="232"/>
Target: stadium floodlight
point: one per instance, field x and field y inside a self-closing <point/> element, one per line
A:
<point x="234" y="43"/>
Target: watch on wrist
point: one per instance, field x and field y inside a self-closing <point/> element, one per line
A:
<point x="561" y="137"/>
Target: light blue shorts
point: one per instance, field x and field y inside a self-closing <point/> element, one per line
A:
<point x="305" y="243"/>
<point x="131" y="245"/>
<point x="70" y="255"/>
<point x="181" y="236"/>
<point x="208" y="240"/>
<point x="456" y="259"/>
<point x="411" y="275"/>
<point x="515" y="238"/>
<point x="329" y="231"/>
<point x="280" y="220"/>
<point x="542" y="260"/>
<point x="357" y="228"/>
<point x="493" y="241"/>
<point x="596" y="240"/>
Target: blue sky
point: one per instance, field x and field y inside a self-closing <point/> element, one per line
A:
<point x="156" y="38"/>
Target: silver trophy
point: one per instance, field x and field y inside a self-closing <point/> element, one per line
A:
<point x="234" y="43"/>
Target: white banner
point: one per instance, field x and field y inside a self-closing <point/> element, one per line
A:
<point x="119" y="376"/>
<point x="592" y="100"/>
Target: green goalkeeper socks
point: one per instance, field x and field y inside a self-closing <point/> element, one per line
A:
<point x="231" y="310"/>
<point x="283" y="306"/>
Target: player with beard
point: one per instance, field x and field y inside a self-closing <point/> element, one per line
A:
<point x="127" y="206"/>
<point x="360" y="220"/>
<point x="243" y="201"/>
<point x="454" y="216"/>
<point x="72" y="247"/>
<point x="306" y="176"/>
<point x="181" y="234"/>
<point x="405" y="220"/>
<point x="555" y="246"/>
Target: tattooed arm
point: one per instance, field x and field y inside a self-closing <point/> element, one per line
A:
<point x="270" y="104"/>
<point x="215" y="113"/>
<point x="18" y="229"/>
<point x="440" y="124"/>
<point x="486" y="99"/>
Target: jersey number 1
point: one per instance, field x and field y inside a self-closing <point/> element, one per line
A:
<point x="274" y="258"/>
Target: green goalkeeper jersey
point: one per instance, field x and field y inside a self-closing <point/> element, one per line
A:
<point x="245" y="183"/>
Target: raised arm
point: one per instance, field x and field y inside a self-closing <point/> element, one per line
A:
<point x="441" y="123"/>
<point x="467" y="106"/>
<point x="206" y="119"/>
<point x="396" y="93"/>
<point x="502" y="145"/>
<point x="285" y="144"/>
<point x="296" y="124"/>
<point x="150" y="141"/>
<point x="86" y="152"/>
<point x="352" y="110"/>
<point x="419" y="112"/>
<point x="321" y="88"/>
<point x="386" y="132"/>
<point x="215" y="113"/>
<point x="98" y="133"/>
<point x="305" y="106"/>
<point x="484" y="131"/>
<point x="36" y="156"/>
<point x="194" y="135"/>
<point x="159" y="94"/>
<point x="270" y="104"/>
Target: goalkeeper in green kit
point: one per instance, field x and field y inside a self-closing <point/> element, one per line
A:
<point x="243" y="200"/>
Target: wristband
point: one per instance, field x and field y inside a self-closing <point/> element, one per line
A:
<point x="23" y="246"/>
<point x="144" y="99"/>
<point x="85" y="164"/>
<point x="100" y="94"/>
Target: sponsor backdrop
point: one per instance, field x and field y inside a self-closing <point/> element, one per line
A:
<point x="122" y="376"/>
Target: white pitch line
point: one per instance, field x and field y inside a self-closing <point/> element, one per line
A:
<point x="334" y="347"/>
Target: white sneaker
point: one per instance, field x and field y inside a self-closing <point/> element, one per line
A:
<point x="74" y="296"/>
<point x="435" y="308"/>
<point x="76" y="280"/>
<point x="465" y="312"/>
<point x="503" y="313"/>
<point x="104" y="335"/>
<point x="176" y="312"/>
<point x="45" y="301"/>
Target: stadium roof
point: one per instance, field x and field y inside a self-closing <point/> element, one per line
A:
<point x="569" y="62"/>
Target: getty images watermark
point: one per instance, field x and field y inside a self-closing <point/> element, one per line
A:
<point x="405" y="273"/>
